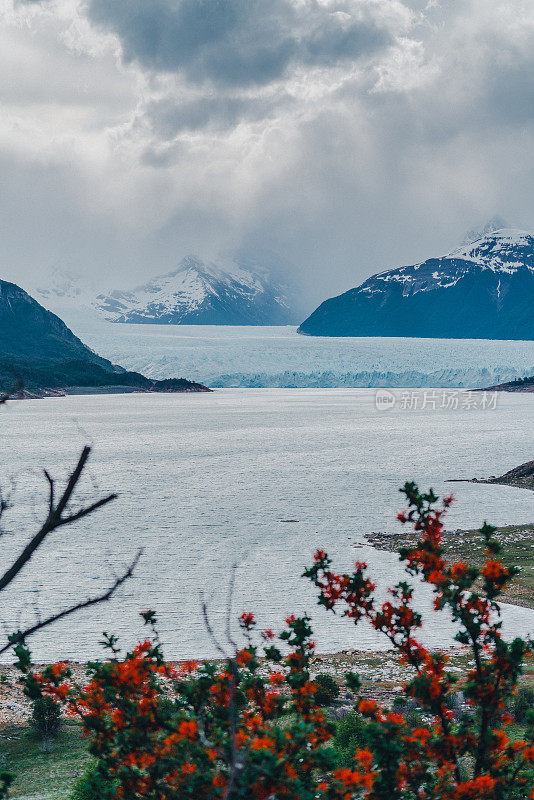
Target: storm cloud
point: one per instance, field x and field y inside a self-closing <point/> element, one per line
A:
<point x="348" y="135"/>
<point x="240" y="42"/>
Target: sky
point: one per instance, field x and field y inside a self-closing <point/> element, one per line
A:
<point x="336" y="138"/>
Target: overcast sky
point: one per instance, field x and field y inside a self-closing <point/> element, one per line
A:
<point x="346" y="135"/>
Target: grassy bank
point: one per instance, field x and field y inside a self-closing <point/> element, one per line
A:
<point x="518" y="550"/>
<point x="40" y="775"/>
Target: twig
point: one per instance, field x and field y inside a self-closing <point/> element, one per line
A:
<point x="229" y="603"/>
<point x="209" y="629"/>
<point x="55" y="518"/>
<point x="102" y="598"/>
<point x="237" y="760"/>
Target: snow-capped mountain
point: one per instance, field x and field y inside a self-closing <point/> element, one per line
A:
<point x="482" y="290"/>
<point x="240" y="291"/>
<point x="62" y="285"/>
<point x="66" y="293"/>
<point x="199" y="293"/>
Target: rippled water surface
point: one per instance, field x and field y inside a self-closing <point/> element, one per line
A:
<point x="208" y="480"/>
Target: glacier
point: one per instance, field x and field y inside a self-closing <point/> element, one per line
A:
<point x="277" y="356"/>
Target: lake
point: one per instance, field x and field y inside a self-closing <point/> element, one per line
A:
<point x="206" y="480"/>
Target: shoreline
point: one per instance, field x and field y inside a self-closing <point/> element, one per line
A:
<point x="521" y="477"/>
<point x="518" y="550"/>
<point x="382" y="676"/>
<point x="195" y="387"/>
<point x="80" y="391"/>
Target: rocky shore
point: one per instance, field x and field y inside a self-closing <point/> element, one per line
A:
<point x="382" y="677"/>
<point x="178" y="386"/>
<point x="522" y="477"/>
<point x="521" y="385"/>
<point x="381" y="672"/>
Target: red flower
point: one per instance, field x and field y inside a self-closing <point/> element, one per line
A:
<point x="247" y="620"/>
<point x="188" y="728"/>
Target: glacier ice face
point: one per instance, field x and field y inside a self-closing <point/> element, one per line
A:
<point x="276" y="356"/>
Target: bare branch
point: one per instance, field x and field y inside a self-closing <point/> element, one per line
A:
<point x="229" y="604"/>
<point x="88" y="510"/>
<point x="4" y="504"/>
<point x="102" y="598"/>
<point x="73" y="480"/>
<point x="51" y="493"/>
<point x="55" y="518"/>
<point x="209" y="629"/>
<point x="238" y="757"/>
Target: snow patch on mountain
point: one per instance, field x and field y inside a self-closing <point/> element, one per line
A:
<point x="505" y="251"/>
<point x="492" y="225"/>
<point x="234" y="291"/>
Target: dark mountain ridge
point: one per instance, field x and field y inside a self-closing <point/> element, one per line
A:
<point x="39" y="352"/>
<point x="484" y="290"/>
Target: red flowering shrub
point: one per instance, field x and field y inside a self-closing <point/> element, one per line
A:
<point x="250" y="728"/>
<point x="204" y="730"/>
<point x="473" y="758"/>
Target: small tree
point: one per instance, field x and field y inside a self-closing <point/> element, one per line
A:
<point x="351" y="734"/>
<point x="475" y="757"/>
<point x="327" y="690"/>
<point x="523" y="704"/>
<point x="46" y="720"/>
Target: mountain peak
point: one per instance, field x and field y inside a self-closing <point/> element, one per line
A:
<point x="190" y="262"/>
<point x="494" y="224"/>
<point x="501" y="249"/>
<point x="197" y="292"/>
<point x="481" y="290"/>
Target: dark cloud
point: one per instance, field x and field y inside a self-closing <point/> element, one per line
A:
<point x="168" y="118"/>
<point x="238" y="42"/>
<point x="350" y="135"/>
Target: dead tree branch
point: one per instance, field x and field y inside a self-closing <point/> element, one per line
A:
<point x="237" y="761"/>
<point x="56" y="517"/>
<point x="20" y="636"/>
